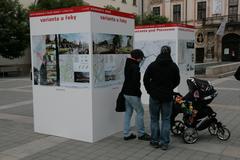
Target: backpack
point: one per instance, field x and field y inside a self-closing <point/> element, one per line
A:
<point x="237" y="74"/>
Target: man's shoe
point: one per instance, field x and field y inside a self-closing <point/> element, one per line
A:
<point x="131" y="136"/>
<point x="155" y="144"/>
<point x="144" y="137"/>
<point x="164" y="147"/>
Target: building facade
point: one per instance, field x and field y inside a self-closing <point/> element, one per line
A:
<point x="212" y="43"/>
<point x="129" y="6"/>
<point x="26" y="3"/>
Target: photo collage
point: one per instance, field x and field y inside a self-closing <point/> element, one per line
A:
<point x="109" y="55"/>
<point x="61" y="59"/>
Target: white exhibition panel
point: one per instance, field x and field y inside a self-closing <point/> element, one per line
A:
<point x="186" y="33"/>
<point x="186" y="56"/>
<point x="74" y="101"/>
<point x="102" y="23"/>
<point x="106" y="121"/>
<point x="151" y="38"/>
<point x="63" y="112"/>
<point x="74" y="25"/>
<point x="154" y="33"/>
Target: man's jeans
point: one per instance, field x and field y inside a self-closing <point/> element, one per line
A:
<point x="155" y="107"/>
<point x="133" y="103"/>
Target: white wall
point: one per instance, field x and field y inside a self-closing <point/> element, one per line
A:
<point x="23" y="63"/>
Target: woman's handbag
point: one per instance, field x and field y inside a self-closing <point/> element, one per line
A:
<point x="237" y="74"/>
<point x="120" y="104"/>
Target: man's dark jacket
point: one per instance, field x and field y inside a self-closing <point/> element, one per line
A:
<point x="161" y="77"/>
<point x="131" y="85"/>
<point x="237" y="74"/>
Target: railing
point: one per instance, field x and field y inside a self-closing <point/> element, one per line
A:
<point x="218" y="19"/>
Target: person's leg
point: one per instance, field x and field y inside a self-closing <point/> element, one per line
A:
<point x="166" y="110"/>
<point x="136" y="104"/>
<point x="175" y="112"/>
<point x="154" y="110"/>
<point x="127" y="116"/>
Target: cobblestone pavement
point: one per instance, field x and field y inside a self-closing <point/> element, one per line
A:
<point x="19" y="142"/>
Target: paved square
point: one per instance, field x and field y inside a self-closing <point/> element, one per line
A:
<point x="18" y="141"/>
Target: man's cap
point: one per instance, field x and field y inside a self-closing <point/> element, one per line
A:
<point x="137" y="53"/>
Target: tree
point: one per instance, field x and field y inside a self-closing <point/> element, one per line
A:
<point x="150" y="19"/>
<point x="54" y="4"/>
<point x="138" y="20"/>
<point x="14" y="29"/>
<point x="117" y="39"/>
<point x="111" y="7"/>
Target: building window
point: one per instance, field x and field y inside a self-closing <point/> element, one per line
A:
<point x="177" y="13"/>
<point x="134" y="2"/>
<point x="233" y="10"/>
<point x="124" y="1"/>
<point x="156" y="10"/>
<point x="201" y="11"/>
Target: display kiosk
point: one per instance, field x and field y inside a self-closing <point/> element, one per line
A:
<point x="180" y="37"/>
<point x="78" y="58"/>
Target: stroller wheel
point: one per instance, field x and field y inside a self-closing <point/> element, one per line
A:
<point x="190" y="135"/>
<point x="213" y="129"/>
<point x="177" y="128"/>
<point x="223" y="133"/>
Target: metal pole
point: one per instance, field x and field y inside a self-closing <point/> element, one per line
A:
<point x="142" y="8"/>
<point x="186" y="11"/>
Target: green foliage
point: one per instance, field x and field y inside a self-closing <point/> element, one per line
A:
<point x="138" y="20"/>
<point x="117" y="39"/>
<point x="150" y="19"/>
<point x="14" y="29"/>
<point x="54" y="4"/>
<point x="111" y="7"/>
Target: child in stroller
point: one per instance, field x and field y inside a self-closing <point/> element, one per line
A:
<point x="197" y="114"/>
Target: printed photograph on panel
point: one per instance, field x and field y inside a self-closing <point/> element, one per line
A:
<point x="44" y="59"/>
<point x="151" y="50"/>
<point x="74" y="59"/>
<point x="112" y="43"/>
<point x="74" y="43"/>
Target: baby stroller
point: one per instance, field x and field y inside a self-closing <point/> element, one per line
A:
<point x="197" y="115"/>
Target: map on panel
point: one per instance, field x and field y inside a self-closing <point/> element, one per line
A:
<point x="152" y="49"/>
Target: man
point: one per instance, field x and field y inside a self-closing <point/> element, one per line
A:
<point x="237" y="74"/>
<point x="160" y="78"/>
<point x="132" y="94"/>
